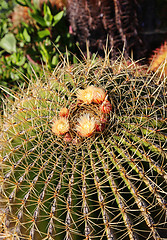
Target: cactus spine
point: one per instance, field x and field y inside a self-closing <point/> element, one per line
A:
<point x="107" y="184"/>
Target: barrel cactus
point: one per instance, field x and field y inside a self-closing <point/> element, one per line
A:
<point x="84" y="154"/>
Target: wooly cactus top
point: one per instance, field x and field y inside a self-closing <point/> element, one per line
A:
<point x="88" y="115"/>
<point x="84" y="155"/>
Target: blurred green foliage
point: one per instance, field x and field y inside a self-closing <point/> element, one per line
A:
<point x="31" y="34"/>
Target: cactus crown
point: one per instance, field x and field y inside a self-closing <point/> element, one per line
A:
<point x="63" y="181"/>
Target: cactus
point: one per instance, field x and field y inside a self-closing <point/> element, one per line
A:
<point x="94" y="21"/>
<point x="159" y="59"/>
<point x="107" y="184"/>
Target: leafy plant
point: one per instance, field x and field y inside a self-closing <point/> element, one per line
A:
<point x="108" y="185"/>
<point x="32" y="32"/>
<point x="49" y="30"/>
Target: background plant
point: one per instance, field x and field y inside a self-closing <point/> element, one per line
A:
<point x="31" y="32"/>
<point x="109" y="186"/>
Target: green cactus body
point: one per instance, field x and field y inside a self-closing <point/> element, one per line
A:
<point x="110" y="185"/>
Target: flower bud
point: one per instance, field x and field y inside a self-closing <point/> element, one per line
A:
<point x="64" y="112"/>
<point x="60" y="126"/>
<point x="106" y="107"/>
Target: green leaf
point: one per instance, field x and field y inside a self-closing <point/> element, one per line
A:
<point x="36" y="4"/>
<point x="38" y="19"/>
<point x="57" y="39"/>
<point x="26" y="35"/>
<point x="14" y="76"/>
<point x="21" y="61"/>
<point x="55" y="59"/>
<point x="44" y="33"/>
<point x="26" y="3"/>
<point x="57" y="17"/>
<point x="4" y="5"/>
<point x="18" y="59"/>
<point x="47" y="15"/>
<point x="44" y="53"/>
<point x="30" y="5"/>
<point x="8" y="43"/>
<point x="21" y="2"/>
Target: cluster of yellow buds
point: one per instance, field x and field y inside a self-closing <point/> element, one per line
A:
<point x="87" y="122"/>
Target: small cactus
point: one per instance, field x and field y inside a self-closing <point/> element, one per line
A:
<point x="159" y="59"/>
<point x="74" y="167"/>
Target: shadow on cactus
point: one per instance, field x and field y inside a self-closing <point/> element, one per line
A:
<point x="84" y="154"/>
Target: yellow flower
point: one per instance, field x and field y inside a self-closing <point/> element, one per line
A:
<point x="98" y="95"/>
<point x="86" y="126"/>
<point x="86" y="95"/>
<point x="60" y="126"/>
<point x="91" y="94"/>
